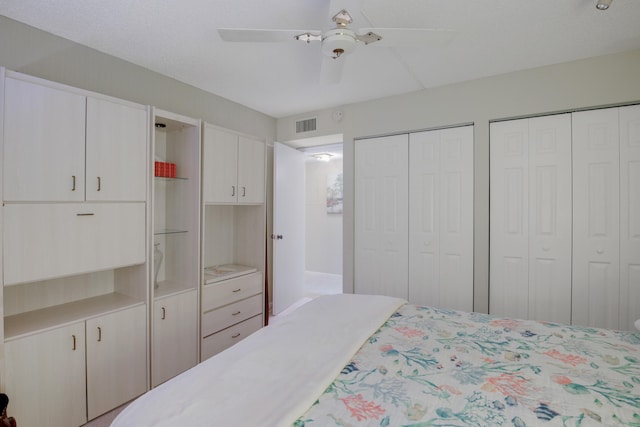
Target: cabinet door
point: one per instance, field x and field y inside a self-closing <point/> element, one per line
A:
<point x="175" y="336"/>
<point x="43" y="143"/>
<point x="596" y="222"/>
<point x="251" y="169"/>
<point x="116" y="147"/>
<point x="45" y="378"/>
<point x="219" y="166"/>
<point x="381" y="216"/>
<point x="116" y="359"/>
<point x="50" y="240"/>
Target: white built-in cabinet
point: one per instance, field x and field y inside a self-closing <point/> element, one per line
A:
<point x="530" y="199"/>
<point x="565" y="240"/>
<point x="68" y="146"/>
<point x="74" y="250"/>
<point x="233" y="238"/>
<point x="175" y="254"/>
<point x="235" y="171"/>
<point x="414" y="217"/>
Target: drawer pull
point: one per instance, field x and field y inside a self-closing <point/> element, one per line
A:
<point x="236" y="313"/>
<point x="237" y="290"/>
<point x="236" y="335"/>
<point x="85" y="214"/>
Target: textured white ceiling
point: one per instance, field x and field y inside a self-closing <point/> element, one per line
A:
<point x="179" y="39"/>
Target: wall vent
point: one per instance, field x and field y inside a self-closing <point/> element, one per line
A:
<point x="306" y="125"/>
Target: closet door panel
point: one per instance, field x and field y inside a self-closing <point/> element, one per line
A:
<point x="596" y="223"/>
<point x="629" y="216"/>
<point x="509" y="218"/>
<point x="424" y="218"/>
<point x="550" y="218"/>
<point x="456" y="218"/>
<point x="381" y="200"/>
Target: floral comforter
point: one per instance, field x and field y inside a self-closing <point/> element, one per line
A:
<point x="432" y="367"/>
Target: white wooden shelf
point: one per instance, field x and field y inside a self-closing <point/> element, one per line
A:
<point x="30" y="322"/>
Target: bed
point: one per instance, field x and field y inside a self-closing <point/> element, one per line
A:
<point x="361" y="360"/>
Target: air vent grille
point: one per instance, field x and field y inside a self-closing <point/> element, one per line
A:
<point x="306" y="125"/>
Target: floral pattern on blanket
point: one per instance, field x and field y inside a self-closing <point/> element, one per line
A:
<point x="433" y="367"/>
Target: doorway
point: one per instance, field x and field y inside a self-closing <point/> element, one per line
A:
<point x="322" y="221"/>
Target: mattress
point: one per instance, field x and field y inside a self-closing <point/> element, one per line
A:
<point x="353" y="360"/>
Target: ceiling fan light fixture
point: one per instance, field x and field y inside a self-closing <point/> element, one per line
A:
<point x="338" y="41"/>
<point x="603" y="4"/>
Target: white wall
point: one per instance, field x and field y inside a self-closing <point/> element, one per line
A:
<point x="323" y="230"/>
<point x="606" y="80"/>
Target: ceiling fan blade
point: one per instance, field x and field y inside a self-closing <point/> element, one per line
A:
<point x="261" y="36"/>
<point x="331" y="69"/>
<point x="413" y="37"/>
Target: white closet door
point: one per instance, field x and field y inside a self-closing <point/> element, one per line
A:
<point x="596" y="224"/>
<point x="509" y="219"/>
<point x="456" y="218"/>
<point x="629" y="216"/>
<point x="424" y="218"/>
<point x="550" y="218"/>
<point x="381" y="217"/>
<point x="441" y="218"/>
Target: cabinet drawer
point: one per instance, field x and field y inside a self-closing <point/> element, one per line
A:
<point x="214" y="344"/>
<point x="229" y="291"/>
<point x="223" y="317"/>
<point x="48" y="240"/>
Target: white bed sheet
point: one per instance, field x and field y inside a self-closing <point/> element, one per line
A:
<point x="270" y="378"/>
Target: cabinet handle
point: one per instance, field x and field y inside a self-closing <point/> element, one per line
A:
<point x="99" y="183"/>
<point x="164" y="313"/>
<point x="244" y="191"/>
<point x="236" y="313"/>
<point x="233" y="190"/>
<point x="236" y="335"/>
<point x="85" y="214"/>
<point x="237" y="290"/>
<point x="74" y="342"/>
<point x="99" y="334"/>
<point x="73" y="180"/>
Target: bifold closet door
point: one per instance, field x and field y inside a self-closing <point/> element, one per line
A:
<point x="629" y="216"/>
<point x="530" y="218"/>
<point x="441" y="218"/>
<point x="596" y="223"/>
<point x="381" y="216"/>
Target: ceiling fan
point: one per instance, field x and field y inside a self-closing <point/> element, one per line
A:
<point x="339" y="41"/>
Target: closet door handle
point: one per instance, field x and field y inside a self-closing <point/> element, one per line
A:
<point x="99" y="184"/>
<point x="74" y="342"/>
<point x="233" y="190"/>
<point x="164" y="314"/>
<point x="73" y="183"/>
<point x="244" y="191"/>
<point x="99" y="334"/>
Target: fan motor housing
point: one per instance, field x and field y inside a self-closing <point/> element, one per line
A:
<point x="338" y="41"/>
